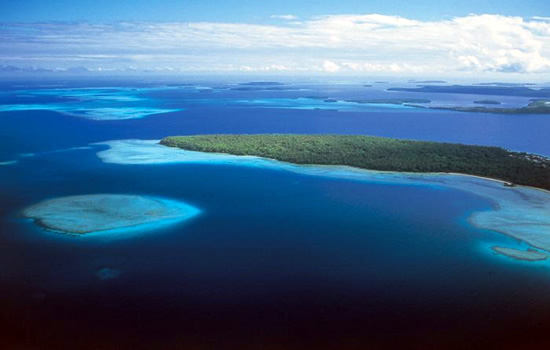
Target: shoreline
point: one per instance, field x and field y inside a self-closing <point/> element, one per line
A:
<point x="377" y="153"/>
<point x="529" y="255"/>
<point x="520" y="212"/>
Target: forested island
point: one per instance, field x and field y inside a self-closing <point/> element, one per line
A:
<point x="487" y="102"/>
<point x="534" y="107"/>
<point x="378" y="153"/>
<point x="412" y="81"/>
<point x="261" y="85"/>
<point x="480" y="90"/>
<point x="391" y="101"/>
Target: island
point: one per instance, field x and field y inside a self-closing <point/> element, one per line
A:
<point x="487" y="102"/>
<point x="480" y="90"/>
<point x="378" y="153"/>
<point x="534" y="107"/>
<point x="410" y="102"/>
<point x="392" y="101"/>
<point x="505" y="84"/>
<point x="412" y="81"/>
<point x="520" y="212"/>
<point x="107" y="213"/>
<point x="262" y="88"/>
<point x="262" y="83"/>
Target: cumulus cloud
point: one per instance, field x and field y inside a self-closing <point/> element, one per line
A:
<point x="330" y="66"/>
<point x="334" y="44"/>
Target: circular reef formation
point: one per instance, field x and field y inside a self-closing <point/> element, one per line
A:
<point x="96" y="213"/>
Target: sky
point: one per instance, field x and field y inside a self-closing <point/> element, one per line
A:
<point x="379" y="37"/>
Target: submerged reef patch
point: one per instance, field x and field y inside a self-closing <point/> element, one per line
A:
<point x="526" y="255"/>
<point x="108" y="273"/>
<point x="107" y="213"/>
<point x="95" y="104"/>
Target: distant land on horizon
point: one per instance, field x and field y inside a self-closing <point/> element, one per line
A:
<point x="514" y="90"/>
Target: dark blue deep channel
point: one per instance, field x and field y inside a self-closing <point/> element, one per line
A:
<point x="276" y="260"/>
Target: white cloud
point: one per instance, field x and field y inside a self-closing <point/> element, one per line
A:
<point x="337" y="43"/>
<point x="285" y="17"/>
<point x="330" y="66"/>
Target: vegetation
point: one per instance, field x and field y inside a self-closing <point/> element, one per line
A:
<point x="393" y="101"/>
<point x="412" y="81"/>
<point x="487" y="102"/>
<point x="262" y="83"/>
<point x="481" y="90"/>
<point x="534" y="107"/>
<point x="377" y="153"/>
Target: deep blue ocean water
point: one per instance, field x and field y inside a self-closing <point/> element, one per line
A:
<point x="277" y="260"/>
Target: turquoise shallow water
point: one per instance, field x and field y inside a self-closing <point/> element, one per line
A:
<point x="96" y="104"/>
<point x="275" y="258"/>
<point x="108" y="215"/>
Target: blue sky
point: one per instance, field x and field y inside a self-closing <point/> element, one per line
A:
<point x="508" y="39"/>
<point x="256" y="11"/>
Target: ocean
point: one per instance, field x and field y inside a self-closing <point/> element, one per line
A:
<point x="276" y="259"/>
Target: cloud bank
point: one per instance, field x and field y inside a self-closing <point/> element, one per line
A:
<point x="369" y="43"/>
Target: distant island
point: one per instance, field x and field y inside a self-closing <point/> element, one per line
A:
<point x="534" y="107"/>
<point x="480" y="90"/>
<point x="392" y="101"/>
<point x="262" y="86"/>
<point x="505" y="84"/>
<point x="487" y="102"/>
<point x="412" y="81"/>
<point x="262" y="83"/>
<point x="378" y="153"/>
